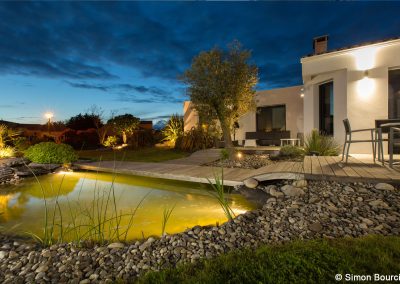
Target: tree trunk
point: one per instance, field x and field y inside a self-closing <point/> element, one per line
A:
<point x="226" y="130"/>
<point x="124" y="138"/>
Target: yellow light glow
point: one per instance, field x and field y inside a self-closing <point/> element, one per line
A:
<point x="365" y="87"/>
<point x="65" y="172"/>
<point x="302" y="95"/>
<point x="239" y="155"/>
<point x="49" y="115"/>
<point x="365" y="58"/>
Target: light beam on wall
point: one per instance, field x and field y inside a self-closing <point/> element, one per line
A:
<point x="365" y="58"/>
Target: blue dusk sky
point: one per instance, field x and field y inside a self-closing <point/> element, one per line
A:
<point x="126" y="57"/>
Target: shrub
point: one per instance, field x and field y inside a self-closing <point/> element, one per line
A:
<point x="290" y="151"/>
<point x="82" y="139"/>
<point x="7" y="152"/>
<point x="111" y="141"/>
<point x="174" y="129"/>
<point x="224" y="154"/>
<point x="141" y="138"/>
<point x="194" y="139"/>
<point x="50" y="152"/>
<point x="21" y="143"/>
<point x="321" y="144"/>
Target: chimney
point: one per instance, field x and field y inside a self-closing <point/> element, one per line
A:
<point x="320" y="44"/>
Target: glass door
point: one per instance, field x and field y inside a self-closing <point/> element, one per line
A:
<point x="326" y="108"/>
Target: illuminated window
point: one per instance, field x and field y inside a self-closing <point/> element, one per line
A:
<point x="271" y="118"/>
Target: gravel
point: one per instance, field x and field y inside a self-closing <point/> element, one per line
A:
<point x="317" y="209"/>
<point x="253" y="161"/>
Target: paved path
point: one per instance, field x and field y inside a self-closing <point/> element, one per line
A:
<point x="313" y="168"/>
<point x="198" y="158"/>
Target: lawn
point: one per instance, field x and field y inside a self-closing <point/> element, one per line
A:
<point x="150" y="154"/>
<point x="298" y="262"/>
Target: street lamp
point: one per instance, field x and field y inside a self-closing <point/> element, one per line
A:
<point x="48" y="116"/>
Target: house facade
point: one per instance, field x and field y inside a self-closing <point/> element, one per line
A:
<point x="361" y="83"/>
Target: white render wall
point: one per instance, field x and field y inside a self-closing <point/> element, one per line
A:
<point x="190" y="116"/>
<point x="360" y="99"/>
<point x="290" y="97"/>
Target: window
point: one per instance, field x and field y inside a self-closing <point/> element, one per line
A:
<point x="271" y="118"/>
<point x="394" y="94"/>
<point x="326" y="108"/>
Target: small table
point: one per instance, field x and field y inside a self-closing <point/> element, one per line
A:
<point x="290" y="141"/>
<point x="389" y="125"/>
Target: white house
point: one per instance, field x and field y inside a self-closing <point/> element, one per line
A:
<point x="361" y="83"/>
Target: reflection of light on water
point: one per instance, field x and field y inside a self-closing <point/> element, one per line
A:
<point x="189" y="197"/>
<point x="65" y="172"/>
<point x="239" y="211"/>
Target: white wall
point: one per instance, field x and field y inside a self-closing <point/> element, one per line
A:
<point x="290" y="97"/>
<point x="190" y="116"/>
<point x="360" y="97"/>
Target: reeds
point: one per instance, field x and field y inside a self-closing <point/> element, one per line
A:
<point x="219" y="194"/>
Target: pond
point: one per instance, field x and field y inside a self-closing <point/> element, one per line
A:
<point x="87" y="203"/>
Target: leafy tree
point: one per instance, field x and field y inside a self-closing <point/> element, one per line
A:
<point x="221" y="86"/>
<point x="124" y="124"/>
<point x="84" y="121"/>
<point x="97" y="114"/>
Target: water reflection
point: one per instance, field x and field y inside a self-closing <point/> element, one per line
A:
<point x="79" y="192"/>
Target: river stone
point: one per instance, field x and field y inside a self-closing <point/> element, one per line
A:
<point x="116" y="246"/>
<point x="42" y="268"/>
<point x="268" y="188"/>
<point x="251" y="183"/>
<point x="384" y="186"/>
<point x="290" y="190"/>
<point x="275" y="193"/>
<point x="2" y="254"/>
<point x="300" y="183"/>
<point x="315" y="227"/>
<point x="378" y="203"/>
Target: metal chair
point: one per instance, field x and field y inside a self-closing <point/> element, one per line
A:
<point x="393" y="142"/>
<point x="375" y="135"/>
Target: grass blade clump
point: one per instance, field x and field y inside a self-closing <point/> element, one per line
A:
<point x="219" y="194"/>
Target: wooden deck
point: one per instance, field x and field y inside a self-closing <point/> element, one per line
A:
<point x="312" y="168"/>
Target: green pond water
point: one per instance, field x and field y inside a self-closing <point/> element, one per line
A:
<point x="82" y="197"/>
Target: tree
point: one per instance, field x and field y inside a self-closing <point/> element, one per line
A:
<point x="124" y="124"/>
<point x="97" y="115"/>
<point x="221" y="86"/>
<point x="85" y="121"/>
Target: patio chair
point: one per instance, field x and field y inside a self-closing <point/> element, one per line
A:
<point x="393" y="142"/>
<point x="375" y="135"/>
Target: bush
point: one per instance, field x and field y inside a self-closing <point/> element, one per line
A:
<point x="224" y="154"/>
<point x="321" y="144"/>
<point x="141" y="138"/>
<point x="51" y="153"/>
<point x="111" y="141"/>
<point x="174" y="129"/>
<point x="194" y="139"/>
<point x="290" y="151"/>
<point x="82" y="139"/>
<point x="7" y="152"/>
<point x="21" y="143"/>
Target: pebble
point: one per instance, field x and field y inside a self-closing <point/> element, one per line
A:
<point x="329" y="209"/>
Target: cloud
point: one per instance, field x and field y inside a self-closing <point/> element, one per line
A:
<point x="132" y="93"/>
<point x="87" y="40"/>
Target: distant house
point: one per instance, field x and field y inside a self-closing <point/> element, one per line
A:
<point x="34" y="132"/>
<point x="361" y="83"/>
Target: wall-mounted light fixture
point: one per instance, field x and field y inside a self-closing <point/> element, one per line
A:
<point x="302" y="92"/>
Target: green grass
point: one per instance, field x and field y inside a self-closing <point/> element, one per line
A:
<point x="152" y="154"/>
<point x="315" y="261"/>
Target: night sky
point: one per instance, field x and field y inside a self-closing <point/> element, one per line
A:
<point x="126" y="57"/>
